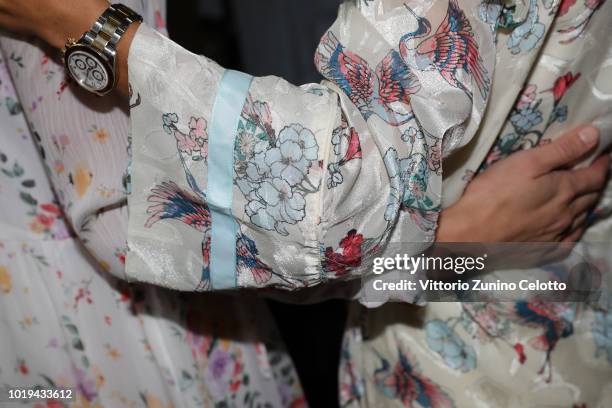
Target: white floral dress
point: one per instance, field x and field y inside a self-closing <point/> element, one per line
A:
<point x="253" y="182"/>
<point x="553" y="73"/>
<point x="67" y="323"/>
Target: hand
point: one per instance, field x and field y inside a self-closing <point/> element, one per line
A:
<point x="531" y="196"/>
<point x="54" y="21"/>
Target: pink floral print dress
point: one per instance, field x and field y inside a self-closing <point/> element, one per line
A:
<point x="65" y="322"/>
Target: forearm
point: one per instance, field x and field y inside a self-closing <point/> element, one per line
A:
<point x="123" y="52"/>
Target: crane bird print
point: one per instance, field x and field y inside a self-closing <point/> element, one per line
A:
<point x="385" y="92"/>
<point x="453" y="47"/>
<point x="547" y="317"/>
<point x="170" y="202"/>
<point x="406" y="383"/>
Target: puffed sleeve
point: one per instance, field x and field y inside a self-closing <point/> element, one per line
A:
<point x="241" y="182"/>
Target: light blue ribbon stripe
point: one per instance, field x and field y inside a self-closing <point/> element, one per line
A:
<point x="227" y="109"/>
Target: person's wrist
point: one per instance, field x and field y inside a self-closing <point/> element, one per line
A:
<point x="69" y="22"/>
<point x="123" y="51"/>
<point x="448" y="229"/>
<point x="456" y="224"/>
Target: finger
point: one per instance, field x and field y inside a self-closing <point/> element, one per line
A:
<point x="584" y="203"/>
<point x="565" y="150"/>
<point x="574" y="236"/>
<point x="577" y="229"/>
<point x="579" y="222"/>
<point x="591" y="179"/>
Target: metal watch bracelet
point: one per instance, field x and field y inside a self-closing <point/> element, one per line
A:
<point x="109" y="28"/>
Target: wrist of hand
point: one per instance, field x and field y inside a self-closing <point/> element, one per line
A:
<point x="451" y="226"/>
<point x="69" y="22"/>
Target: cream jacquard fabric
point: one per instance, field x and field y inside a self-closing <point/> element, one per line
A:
<point x="325" y="176"/>
<point x="553" y="73"/>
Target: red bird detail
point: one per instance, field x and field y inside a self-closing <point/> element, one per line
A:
<point x="453" y="47"/>
<point x="354" y="147"/>
<point x="385" y="92"/>
<point x="406" y="383"/>
<point x="171" y="202"/>
<point x="562" y="85"/>
<point x="339" y="263"/>
<point x="547" y="317"/>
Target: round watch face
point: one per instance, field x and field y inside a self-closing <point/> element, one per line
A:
<point x="89" y="70"/>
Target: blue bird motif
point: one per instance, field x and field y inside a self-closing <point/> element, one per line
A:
<point x="453" y="47"/>
<point x="169" y="201"/>
<point x="406" y="383"/>
<point x="555" y="326"/>
<point x="385" y="92"/>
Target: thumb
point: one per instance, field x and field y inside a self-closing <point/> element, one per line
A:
<point x="565" y="150"/>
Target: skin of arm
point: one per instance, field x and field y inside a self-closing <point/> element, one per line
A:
<point x="122" y="59"/>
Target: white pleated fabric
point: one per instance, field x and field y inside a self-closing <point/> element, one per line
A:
<point x="65" y="322"/>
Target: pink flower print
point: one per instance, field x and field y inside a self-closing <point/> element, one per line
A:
<point x="199" y="344"/>
<point x="593" y="4"/>
<point x="184" y="142"/>
<point x="527" y="96"/>
<point x="259" y="113"/>
<point x="197" y="132"/>
<point x="159" y="20"/>
<point x="60" y="142"/>
<point x="201" y="151"/>
<point x="45" y="220"/>
<point x="197" y="128"/>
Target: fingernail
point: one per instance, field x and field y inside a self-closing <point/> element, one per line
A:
<point x="589" y="135"/>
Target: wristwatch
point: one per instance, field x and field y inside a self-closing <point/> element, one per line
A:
<point x="91" y="61"/>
